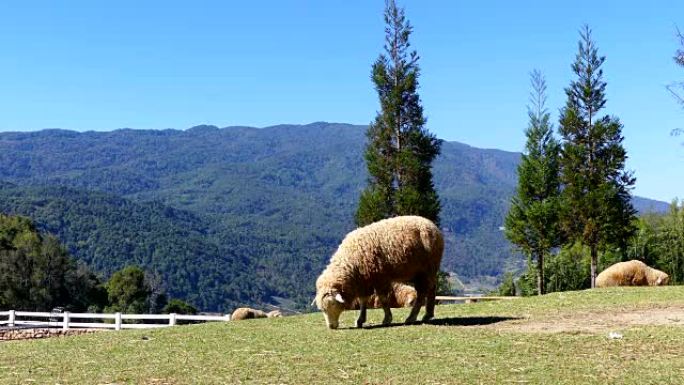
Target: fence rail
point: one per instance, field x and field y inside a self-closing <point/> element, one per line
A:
<point x="471" y="299"/>
<point x="65" y="320"/>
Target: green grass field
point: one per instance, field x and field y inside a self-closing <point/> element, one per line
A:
<point x="560" y="338"/>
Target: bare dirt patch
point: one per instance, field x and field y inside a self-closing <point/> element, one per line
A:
<point x="597" y="321"/>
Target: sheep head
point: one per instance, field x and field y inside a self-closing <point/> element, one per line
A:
<point x="332" y="304"/>
<point x="274" y="314"/>
<point x="663" y="279"/>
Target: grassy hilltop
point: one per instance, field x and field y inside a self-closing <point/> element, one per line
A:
<point x="561" y="338"/>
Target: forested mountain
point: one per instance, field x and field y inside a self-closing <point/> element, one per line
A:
<point x="238" y="214"/>
<point x="109" y="232"/>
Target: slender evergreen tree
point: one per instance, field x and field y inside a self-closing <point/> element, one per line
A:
<point x="679" y="55"/>
<point x="400" y="150"/>
<point x="532" y="223"/>
<point x="596" y="188"/>
<point x="679" y="59"/>
<point x="677" y="87"/>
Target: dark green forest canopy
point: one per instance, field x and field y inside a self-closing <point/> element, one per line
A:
<point x="109" y="233"/>
<point x="236" y="215"/>
<point x="37" y="272"/>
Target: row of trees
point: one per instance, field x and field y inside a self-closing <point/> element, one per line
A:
<point x="546" y="206"/>
<point x="37" y="273"/>
<point x="658" y="241"/>
<point x="573" y="192"/>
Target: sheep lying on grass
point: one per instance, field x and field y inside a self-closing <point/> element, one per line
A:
<point x="371" y="258"/>
<point x="243" y="313"/>
<point x="631" y="273"/>
<point x="274" y="314"/>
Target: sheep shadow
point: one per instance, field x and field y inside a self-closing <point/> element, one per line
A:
<point x="451" y="321"/>
<point x="469" y="321"/>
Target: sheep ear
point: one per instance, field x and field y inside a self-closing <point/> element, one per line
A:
<point x="338" y="298"/>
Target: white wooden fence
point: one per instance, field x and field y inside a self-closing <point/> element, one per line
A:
<point x="472" y="299"/>
<point x="67" y="320"/>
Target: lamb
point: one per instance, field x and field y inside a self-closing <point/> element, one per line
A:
<point x="371" y="258"/>
<point x="402" y="295"/>
<point x="631" y="273"/>
<point x="243" y="313"/>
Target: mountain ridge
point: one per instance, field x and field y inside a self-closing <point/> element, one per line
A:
<point x="283" y="196"/>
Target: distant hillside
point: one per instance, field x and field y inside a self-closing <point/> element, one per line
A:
<point x="644" y="205"/>
<point x="109" y="232"/>
<point x="274" y="201"/>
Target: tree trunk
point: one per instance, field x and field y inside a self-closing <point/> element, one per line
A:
<point x="594" y="259"/>
<point x="540" y="274"/>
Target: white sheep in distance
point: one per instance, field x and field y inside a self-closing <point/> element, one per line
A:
<point x="631" y="273"/>
<point x="369" y="259"/>
<point x="243" y="313"/>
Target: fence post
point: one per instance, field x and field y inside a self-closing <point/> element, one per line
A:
<point x="172" y="319"/>
<point x="12" y="317"/>
<point x="65" y="324"/>
<point x="117" y="321"/>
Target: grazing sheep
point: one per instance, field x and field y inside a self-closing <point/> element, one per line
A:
<point x="371" y="258"/>
<point x="243" y="313"/>
<point x="631" y="273"/>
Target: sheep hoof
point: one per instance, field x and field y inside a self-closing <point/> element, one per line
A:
<point x="427" y="317"/>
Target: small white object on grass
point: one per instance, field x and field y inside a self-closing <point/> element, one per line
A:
<point x="614" y="335"/>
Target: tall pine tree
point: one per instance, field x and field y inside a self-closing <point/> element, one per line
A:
<point x="400" y="150"/>
<point x="679" y="55"/>
<point x="677" y="87"/>
<point x="596" y="188"/>
<point x="679" y="59"/>
<point x="532" y="222"/>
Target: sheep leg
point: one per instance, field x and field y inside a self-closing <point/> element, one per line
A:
<point x="388" y="313"/>
<point x="414" y="313"/>
<point x="420" y="285"/>
<point x="430" y="303"/>
<point x="362" y="313"/>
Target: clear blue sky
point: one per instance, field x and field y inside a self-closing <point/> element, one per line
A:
<point x="164" y="64"/>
